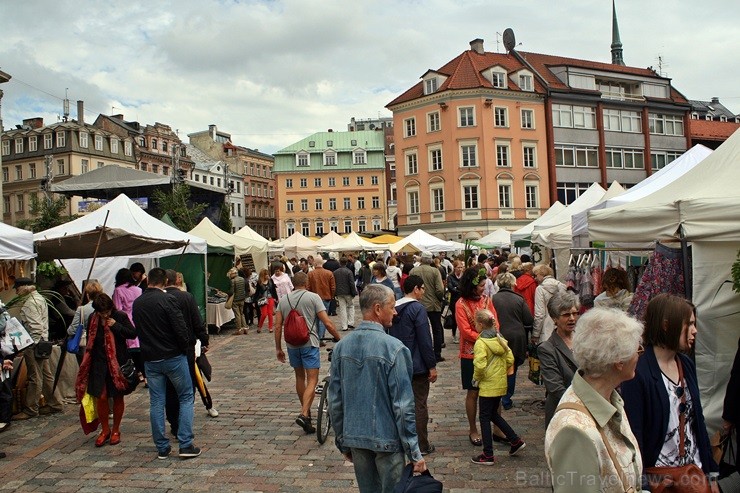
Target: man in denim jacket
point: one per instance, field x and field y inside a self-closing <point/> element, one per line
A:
<point x="371" y="402"/>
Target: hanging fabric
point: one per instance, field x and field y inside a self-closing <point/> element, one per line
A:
<point x="663" y="274"/>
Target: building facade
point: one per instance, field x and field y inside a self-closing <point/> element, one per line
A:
<point x="249" y="170"/>
<point x="332" y="181"/>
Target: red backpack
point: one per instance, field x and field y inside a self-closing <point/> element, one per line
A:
<point x="296" y="329"/>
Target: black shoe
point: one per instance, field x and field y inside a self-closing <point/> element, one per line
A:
<point x="190" y="452"/>
<point x="305" y="423"/>
<point x="164" y="453"/>
<point x="517" y="446"/>
<point x="444" y="345"/>
<point x="440" y="358"/>
<point x="428" y="451"/>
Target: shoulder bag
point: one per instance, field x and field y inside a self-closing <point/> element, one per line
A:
<point x="73" y="343"/>
<point x="42" y="349"/>
<point x="230" y="300"/>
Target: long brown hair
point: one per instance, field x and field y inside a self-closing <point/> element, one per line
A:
<point x="665" y="318"/>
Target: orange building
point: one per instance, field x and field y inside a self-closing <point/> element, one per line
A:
<point x="471" y="147"/>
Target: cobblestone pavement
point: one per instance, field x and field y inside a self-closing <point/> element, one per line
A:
<point x="254" y="444"/>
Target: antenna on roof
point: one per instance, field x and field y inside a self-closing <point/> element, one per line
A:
<point x="66" y="105"/>
<point x="661" y="65"/>
<point x="509" y="39"/>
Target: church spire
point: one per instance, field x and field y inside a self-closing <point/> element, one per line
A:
<point x="616" y="43"/>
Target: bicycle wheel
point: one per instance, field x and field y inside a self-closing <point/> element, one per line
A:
<point x="323" y="421"/>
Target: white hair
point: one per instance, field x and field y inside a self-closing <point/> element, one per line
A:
<point x="506" y="280"/>
<point x="603" y="337"/>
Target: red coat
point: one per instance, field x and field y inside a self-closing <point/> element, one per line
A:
<point x="526" y="286"/>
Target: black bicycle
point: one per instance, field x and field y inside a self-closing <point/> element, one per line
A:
<point x="323" y="420"/>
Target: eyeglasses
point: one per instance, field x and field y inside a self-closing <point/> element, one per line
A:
<point x="640" y="350"/>
<point x="570" y="314"/>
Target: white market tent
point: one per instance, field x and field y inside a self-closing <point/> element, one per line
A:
<point x="298" y="246"/>
<point x="250" y="234"/>
<point x="329" y="239"/>
<point x="422" y="240"/>
<point x="703" y="206"/>
<point x="656" y="181"/>
<point x="15" y="243"/>
<point x="217" y="237"/>
<point x="354" y="243"/>
<point x="525" y="232"/>
<point x="495" y="239"/>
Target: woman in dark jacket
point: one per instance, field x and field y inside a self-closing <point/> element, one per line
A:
<point x="265" y="294"/>
<point x="662" y="401"/>
<point x="514" y="318"/>
<point x="453" y="286"/>
<point x="100" y="373"/>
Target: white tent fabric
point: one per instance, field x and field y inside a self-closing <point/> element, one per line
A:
<point x="215" y="236"/>
<point x="656" y="181"/>
<point x="525" y="232"/>
<point x="124" y="214"/>
<point x="354" y="243"/>
<point x="498" y="238"/>
<point x="329" y="239"/>
<point x="298" y="246"/>
<point x="424" y="241"/>
<point x="15" y="243"/>
<point x="250" y="234"/>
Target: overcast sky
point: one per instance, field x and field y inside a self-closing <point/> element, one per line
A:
<point x="273" y="72"/>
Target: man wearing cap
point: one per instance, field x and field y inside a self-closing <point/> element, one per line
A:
<point x="35" y="318"/>
<point x="432" y="300"/>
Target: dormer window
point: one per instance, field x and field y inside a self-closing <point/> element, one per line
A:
<point x="430" y="85"/>
<point x="694" y="116"/>
<point x="359" y="156"/>
<point x="330" y="158"/>
<point x="329" y="143"/>
<point x="311" y="143"/>
<point x="525" y="82"/>
<point x="498" y="78"/>
<point x="722" y="118"/>
<point x="301" y="159"/>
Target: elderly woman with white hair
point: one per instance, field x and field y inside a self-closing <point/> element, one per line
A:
<point x="589" y="445"/>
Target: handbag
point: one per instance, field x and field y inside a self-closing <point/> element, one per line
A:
<point x="420" y="483"/>
<point x="73" y="343"/>
<point x="229" y="302"/>
<point x="534" y="365"/>
<point x="449" y="320"/>
<point x="130" y="374"/>
<point x="15" y="338"/>
<point x="262" y="302"/>
<point x="42" y="349"/>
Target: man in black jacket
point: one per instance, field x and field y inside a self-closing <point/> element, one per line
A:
<point x="164" y="338"/>
<point x="346" y="290"/>
<point x="197" y="331"/>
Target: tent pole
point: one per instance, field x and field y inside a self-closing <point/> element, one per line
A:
<point x="97" y="246"/>
<point x="686" y="268"/>
<point x="181" y="254"/>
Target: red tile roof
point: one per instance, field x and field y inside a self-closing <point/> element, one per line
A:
<point x="711" y="130"/>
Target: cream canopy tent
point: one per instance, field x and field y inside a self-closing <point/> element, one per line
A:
<point x="15" y="243"/>
<point x="329" y="239"/>
<point x="424" y="241"/>
<point x="215" y="236"/>
<point x="298" y="246"/>
<point x="525" y="232"/>
<point x="495" y="239"/>
<point x="656" y="181"/>
<point x="250" y="234"/>
<point x="703" y="206"/>
<point x="354" y="243"/>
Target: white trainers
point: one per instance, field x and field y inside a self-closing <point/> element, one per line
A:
<point x="455" y="340"/>
<point x="212" y="412"/>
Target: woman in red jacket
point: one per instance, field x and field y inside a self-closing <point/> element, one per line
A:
<point x="526" y="284"/>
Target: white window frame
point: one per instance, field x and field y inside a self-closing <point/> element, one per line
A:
<point x="433" y="122"/>
<point x="503" y="155"/>
<point x="412" y="163"/>
<point x="361" y="181"/>
<point x="305" y="228"/>
<point x="347" y="202"/>
<point x="318" y="204"/>
<point x="84" y="140"/>
<point x="578" y="153"/>
<point x="317" y="182"/>
<point x="374" y="180"/>
<point x="84" y="165"/>
<point x="345" y="181"/>
<point x="330" y="158"/>
<point x="304" y="205"/>
<point x="48" y="140"/>
<point x="437" y="198"/>
<point x="114" y="145"/>
<point x="359" y="156"/>
<point x="430" y="85"/>
<point x="504" y="193"/>
<point x="6" y="148"/>
<point x="98" y="142"/>
<point x="302" y="159"/>
<point x="531" y="195"/>
<point x="289" y="229"/>
<point x="468" y="154"/>
<point x="303" y="182"/>
<point x="471" y="198"/>
<point x="33" y="143"/>
<point x="466" y="116"/>
<point x="360" y="203"/>
<point x="435" y="158"/>
<point x="332" y="203"/>
<point x="526" y="81"/>
<point x="289" y="205"/>
<point x="529" y="156"/>
<point x="414" y="204"/>
<point x="347" y="226"/>
<point x="498" y="79"/>
<point x="375" y="202"/>
<point x="501" y="112"/>
<point x="527" y="118"/>
<point x="19" y="145"/>
<point x="409" y="127"/>
<point x="127" y="148"/>
<point x="332" y="181"/>
<point x="288" y="183"/>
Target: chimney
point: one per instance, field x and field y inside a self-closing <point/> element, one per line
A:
<point x="117" y="117"/>
<point x="477" y="46"/>
<point x="715" y="100"/>
<point x="80" y="112"/>
<point x="212" y="131"/>
<point x="36" y="122"/>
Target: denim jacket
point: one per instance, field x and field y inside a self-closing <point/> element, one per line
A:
<point x="371" y="402"/>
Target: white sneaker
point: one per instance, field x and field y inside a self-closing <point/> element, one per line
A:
<point x="455" y="340"/>
<point x="212" y="412"/>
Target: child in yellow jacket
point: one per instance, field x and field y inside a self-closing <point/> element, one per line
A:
<point x="491" y="364"/>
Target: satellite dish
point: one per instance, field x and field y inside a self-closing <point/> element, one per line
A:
<point x="509" y="39"/>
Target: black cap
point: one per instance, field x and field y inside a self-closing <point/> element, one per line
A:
<point x="22" y="281"/>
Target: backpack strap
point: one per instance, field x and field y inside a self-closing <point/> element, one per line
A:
<point x="297" y="302"/>
<point x="583" y="409"/>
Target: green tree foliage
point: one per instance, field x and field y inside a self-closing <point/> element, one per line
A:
<point x="183" y="212"/>
<point x="225" y="219"/>
<point x="46" y="214"/>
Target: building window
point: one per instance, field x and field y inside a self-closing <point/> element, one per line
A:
<point x="319" y="204"/>
<point x="127" y="148"/>
<point x="6" y="204"/>
<point x="290" y="229"/>
<point x="6" y="174"/>
<point x="622" y="121"/>
<point x="238" y="210"/>
<point x="19" y="172"/>
<point x="470" y="197"/>
<point x="467" y="116"/>
<point x="376" y="224"/>
<point x="164" y="148"/>
<point x="529" y="153"/>
<point x="347" y="205"/>
<point x="6" y="148"/>
<point x="412" y="164"/>
<point x="19" y="146"/>
<point x="48" y="141"/>
<point x="332" y="182"/>
<point x="84" y="140"/>
<point x="302" y="159"/>
<point x="345" y="181"/>
<point x="374" y="180"/>
<point x="525" y="82"/>
<point x="303" y="182"/>
<point x="334" y="226"/>
<point x="317" y="182"/>
<point x="468" y="155"/>
<point x="361" y="227"/>
<point x="624" y="158"/>
<point x="433" y="121"/>
<point x="527" y="119"/>
<point x="154" y="144"/>
<point x="20" y="203"/>
<point x="114" y="146"/>
<point x="568" y="192"/>
<point x="413" y="202"/>
<point x="567" y="116"/>
<point x="332" y="204"/>
<point x="304" y="229"/>
<point x="98" y="142"/>
<point x="531" y="197"/>
<point x="33" y="144"/>
<point x="438" y="199"/>
<point x="409" y="127"/>
<point x="498" y="79"/>
<point x="329" y="143"/>
<point x="579" y="156"/>
<point x="155" y="169"/>
<point x="504" y="196"/>
<point x="348" y="226"/>
<point x="502" y="155"/>
<point x="330" y="158"/>
<point x="360" y="180"/>
<point x="304" y="205"/>
<point x="500" y="118"/>
<point x="319" y="228"/>
<point x="360" y="202"/>
<point x="289" y="183"/>
<point x="665" y="124"/>
<point x="430" y="85"/>
<point x="359" y="157"/>
<point x="435" y="159"/>
<point x="289" y="205"/>
<point x="659" y="159"/>
<point x="376" y="202"/>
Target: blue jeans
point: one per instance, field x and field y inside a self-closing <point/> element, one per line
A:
<point x="322" y="327"/>
<point x="177" y="372"/>
<point x="510" y="387"/>
<point x="377" y="472"/>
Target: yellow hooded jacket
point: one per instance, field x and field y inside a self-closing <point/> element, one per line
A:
<point x="491" y="382"/>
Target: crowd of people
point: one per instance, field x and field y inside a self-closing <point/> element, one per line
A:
<point x="621" y="399"/>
